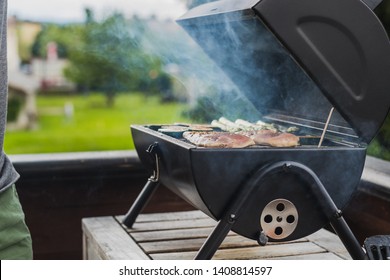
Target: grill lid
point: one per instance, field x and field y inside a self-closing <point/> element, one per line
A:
<point x="301" y="57"/>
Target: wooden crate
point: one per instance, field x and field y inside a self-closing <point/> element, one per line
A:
<point x="179" y="235"/>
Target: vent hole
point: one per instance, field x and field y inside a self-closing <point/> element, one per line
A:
<point x="290" y="219"/>
<point x="268" y="219"/>
<point x="278" y="231"/>
<point x="280" y="207"/>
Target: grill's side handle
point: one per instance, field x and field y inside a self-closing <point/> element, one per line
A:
<point x="147" y="191"/>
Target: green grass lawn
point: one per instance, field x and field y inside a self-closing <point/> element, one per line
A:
<point x="93" y="127"/>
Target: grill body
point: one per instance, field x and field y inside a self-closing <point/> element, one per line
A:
<point x="210" y="179"/>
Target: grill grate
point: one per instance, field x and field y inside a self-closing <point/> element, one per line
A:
<point x="378" y="247"/>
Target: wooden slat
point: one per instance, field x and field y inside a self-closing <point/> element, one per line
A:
<point x="193" y="244"/>
<point x="173" y="216"/>
<point x="173" y="234"/>
<point x="110" y="241"/>
<point x="250" y="253"/>
<point x="175" y="224"/>
<point x="330" y="242"/>
<point x="321" y="256"/>
<point x="276" y="250"/>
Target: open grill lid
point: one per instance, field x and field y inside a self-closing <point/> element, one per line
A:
<point x="301" y="57"/>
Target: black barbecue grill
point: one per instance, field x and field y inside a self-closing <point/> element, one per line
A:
<point x="295" y="61"/>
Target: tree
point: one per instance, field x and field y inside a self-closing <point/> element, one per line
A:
<point x="105" y="55"/>
<point x="110" y="58"/>
<point x="49" y="33"/>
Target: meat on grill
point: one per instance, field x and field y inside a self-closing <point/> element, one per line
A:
<point x="273" y="138"/>
<point x="241" y="139"/>
<point x="218" y="139"/>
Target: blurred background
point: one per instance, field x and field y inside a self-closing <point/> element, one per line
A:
<point x="82" y="71"/>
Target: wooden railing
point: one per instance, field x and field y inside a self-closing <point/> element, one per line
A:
<point x="58" y="190"/>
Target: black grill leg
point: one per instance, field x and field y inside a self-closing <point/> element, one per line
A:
<point x="148" y="190"/>
<point x="330" y="209"/>
<point x="142" y="199"/>
<point x="347" y="237"/>
<point x="215" y="239"/>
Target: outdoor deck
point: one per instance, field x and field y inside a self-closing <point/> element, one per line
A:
<point x="179" y="235"/>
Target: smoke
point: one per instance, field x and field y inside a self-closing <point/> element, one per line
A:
<point x="187" y="62"/>
<point x="182" y="56"/>
<point x="235" y="60"/>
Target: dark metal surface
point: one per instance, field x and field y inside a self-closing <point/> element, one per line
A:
<point x="372" y="4"/>
<point x="334" y="42"/>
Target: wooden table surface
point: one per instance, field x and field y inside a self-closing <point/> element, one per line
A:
<point x="179" y="235"/>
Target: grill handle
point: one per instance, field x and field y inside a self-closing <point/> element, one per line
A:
<point x="148" y="190"/>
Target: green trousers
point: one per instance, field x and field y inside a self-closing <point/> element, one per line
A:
<point x="15" y="238"/>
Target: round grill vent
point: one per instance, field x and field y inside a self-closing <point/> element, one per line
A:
<point x="279" y="219"/>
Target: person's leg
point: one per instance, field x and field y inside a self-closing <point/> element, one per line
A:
<point x="15" y="238"/>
